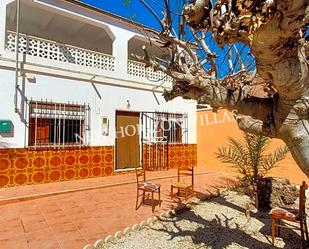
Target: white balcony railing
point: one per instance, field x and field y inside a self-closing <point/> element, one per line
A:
<point x="139" y="70"/>
<point x="47" y="49"/>
<point x="59" y="52"/>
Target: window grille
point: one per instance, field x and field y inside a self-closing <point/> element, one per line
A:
<point x="159" y="129"/>
<point x="172" y="126"/>
<point x="58" y="125"/>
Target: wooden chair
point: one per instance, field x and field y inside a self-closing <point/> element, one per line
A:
<point x="184" y="186"/>
<point x="144" y="187"/>
<point x="298" y="216"/>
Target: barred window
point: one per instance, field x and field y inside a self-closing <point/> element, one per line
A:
<point x="58" y="125"/>
<point x="173" y="131"/>
<point x="173" y="127"/>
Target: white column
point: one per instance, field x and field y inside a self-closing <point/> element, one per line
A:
<point x="120" y="51"/>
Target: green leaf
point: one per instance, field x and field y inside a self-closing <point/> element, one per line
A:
<point x="271" y="161"/>
<point x="249" y="158"/>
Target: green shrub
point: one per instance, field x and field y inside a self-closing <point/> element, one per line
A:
<point x="250" y="157"/>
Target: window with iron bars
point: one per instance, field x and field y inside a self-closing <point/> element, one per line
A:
<point x="58" y="125"/>
<point x="173" y="127"/>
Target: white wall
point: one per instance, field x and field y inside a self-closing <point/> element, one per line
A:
<point x="66" y="90"/>
<point x="120" y="30"/>
<point x="7" y="111"/>
<point x="65" y="82"/>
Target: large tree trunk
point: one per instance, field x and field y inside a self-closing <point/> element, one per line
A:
<point x="280" y="51"/>
<point x="275" y="32"/>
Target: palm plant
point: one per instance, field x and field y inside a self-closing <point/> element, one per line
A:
<point x="250" y="157"/>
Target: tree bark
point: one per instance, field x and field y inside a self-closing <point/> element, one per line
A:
<point x="275" y="32"/>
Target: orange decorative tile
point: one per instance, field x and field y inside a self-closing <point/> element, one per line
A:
<point x="26" y="166"/>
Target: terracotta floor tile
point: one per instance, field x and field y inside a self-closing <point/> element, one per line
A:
<point x="7" y="193"/>
<point x="27" y="213"/>
<point x="58" y="220"/>
<point x="76" y="219"/>
<point x="43" y="238"/>
<point x="67" y="204"/>
<point x="13" y="221"/>
<point x="34" y="226"/>
<point x="8" y="208"/>
<point x="91" y="232"/>
<point x="81" y="223"/>
<point x="50" y="208"/>
<point x="19" y="242"/>
<point x="92" y="238"/>
<point x="53" y="214"/>
<point x="41" y="234"/>
<point x="101" y="214"/>
<point x="32" y="217"/>
<point x="75" y="210"/>
<point x="12" y="227"/>
<point x="65" y="235"/>
<point x="73" y="243"/>
<point x="27" y="207"/>
<point x="63" y="228"/>
<point x="10" y="234"/>
<point x="44" y="244"/>
<point x="81" y="216"/>
<point x="8" y="215"/>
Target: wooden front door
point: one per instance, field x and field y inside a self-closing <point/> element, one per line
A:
<point x="127" y="139"/>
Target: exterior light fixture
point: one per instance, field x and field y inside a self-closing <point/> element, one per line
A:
<point x="128" y="104"/>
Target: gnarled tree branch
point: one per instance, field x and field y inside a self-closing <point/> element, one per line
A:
<point x="275" y="33"/>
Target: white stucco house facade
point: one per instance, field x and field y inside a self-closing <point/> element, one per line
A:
<point x="74" y="87"/>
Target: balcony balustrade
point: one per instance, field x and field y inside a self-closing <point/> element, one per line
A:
<point x="52" y="50"/>
<point x="47" y="49"/>
<point x="139" y="70"/>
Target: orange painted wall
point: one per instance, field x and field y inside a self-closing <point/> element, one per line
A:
<point x="212" y="132"/>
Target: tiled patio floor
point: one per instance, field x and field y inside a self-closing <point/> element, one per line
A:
<point x="82" y="216"/>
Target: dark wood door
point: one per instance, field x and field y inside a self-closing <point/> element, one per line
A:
<point x="127" y="139"/>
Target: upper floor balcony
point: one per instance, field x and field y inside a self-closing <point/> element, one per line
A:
<point x="51" y="38"/>
<point x="46" y="49"/>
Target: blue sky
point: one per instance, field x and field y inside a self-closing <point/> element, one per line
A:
<point x="139" y="13"/>
<point x="135" y="10"/>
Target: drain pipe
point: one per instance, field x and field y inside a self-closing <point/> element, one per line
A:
<point x="17" y="55"/>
